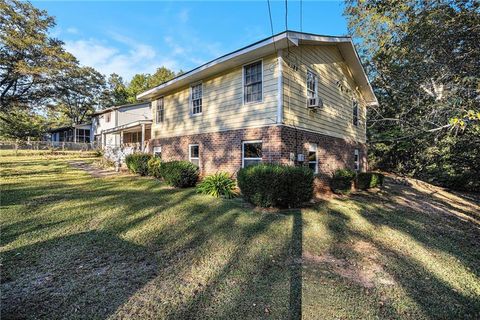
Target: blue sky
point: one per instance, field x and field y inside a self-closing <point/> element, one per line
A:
<point x="129" y="37"/>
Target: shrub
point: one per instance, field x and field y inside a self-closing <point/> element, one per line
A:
<point x="154" y="167"/>
<point x="138" y="163"/>
<point x="273" y="185"/>
<point x="180" y="174"/>
<point x="342" y="180"/>
<point x="367" y="180"/>
<point x="219" y="184"/>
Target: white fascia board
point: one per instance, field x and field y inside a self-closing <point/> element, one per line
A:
<point x="209" y="65"/>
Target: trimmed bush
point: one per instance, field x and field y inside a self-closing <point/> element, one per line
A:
<point x="342" y="181"/>
<point x="179" y="174"/>
<point x="367" y="180"/>
<point x="273" y="185"/>
<point x="154" y="167"/>
<point x="219" y="184"/>
<point x="138" y="163"/>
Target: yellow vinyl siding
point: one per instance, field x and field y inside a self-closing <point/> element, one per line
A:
<point x="336" y="116"/>
<point x="222" y="105"/>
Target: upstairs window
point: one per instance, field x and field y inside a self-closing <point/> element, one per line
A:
<point x="312" y="158"/>
<point x="160" y="111"/>
<point x="251" y="153"/>
<point x="355" y="113"/>
<point x="194" y="154"/>
<point x="312" y="85"/>
<point x="356" y="160"/>
<point x="252" y="82"/>
<point x="107" y="117"/>
<point x="196" y="93"/>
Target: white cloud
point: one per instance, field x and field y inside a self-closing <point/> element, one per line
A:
<point x="184" y="15"/>
<point x="72" y="30"/>
<point x="107" y="58"/>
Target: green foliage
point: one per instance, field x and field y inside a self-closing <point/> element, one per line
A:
<point x="30" y="60"/>
<point x="144" y="81"/>
<point x="342" y="181"/>
<point x="154" y="165"/>
<point x="179" y="174"/>
<point x="219" y="184"/>
<point x="422" y="58"/>
<point x="367" y="180"/>
<point x="273" y="185"/>
<point x="21" y="125"/>
<point x="79" y="92"/>
<point x="138" y="163"/>
<point x="116" y="92"/>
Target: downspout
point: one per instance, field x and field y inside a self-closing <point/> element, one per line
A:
<point x="280" y="88"/>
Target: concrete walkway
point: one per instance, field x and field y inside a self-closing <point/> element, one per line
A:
<point x="94" y="171"/>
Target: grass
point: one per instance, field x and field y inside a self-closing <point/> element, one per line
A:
<point x="125" y="246"/>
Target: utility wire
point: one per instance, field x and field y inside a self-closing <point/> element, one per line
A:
<point x="271" y="24"/>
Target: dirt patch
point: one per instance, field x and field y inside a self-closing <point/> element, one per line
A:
<point x="367" y="271"/>
<point x="93" y="171"/>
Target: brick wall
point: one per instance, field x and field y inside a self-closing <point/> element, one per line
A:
<point x="222" y="151"/>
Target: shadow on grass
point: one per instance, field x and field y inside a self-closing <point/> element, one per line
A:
<point x="435" y="229"/>
<point x="98" y="273"/>
<point x="83" y="275"/>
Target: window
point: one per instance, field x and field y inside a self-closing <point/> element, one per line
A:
<point x="83" y="135"/>
<point x="196" y="93"/>
<point x="160" y="111"/>
<point x="252" y="82"/>
<point x="312" y="158"/>
<point x="194" y="154"/>
<point x="107" y="117"/>
<point x="251" y="153"/>
<point x="312" y="85"/>
<point x="355" y="113"/>
<point x="356" y="160"/>
<point x="157" y="152"/>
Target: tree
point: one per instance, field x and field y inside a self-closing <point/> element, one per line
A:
<point x="116" y="92"/>
<point x="160" y="76"/>
<point x="21" y="125"/>
<point x="422" y="58"/>
<point x="79" y="92"/>
<point x="144" y="81"/>
<point x="138" y="84"/>
<point x="30" y="60"/>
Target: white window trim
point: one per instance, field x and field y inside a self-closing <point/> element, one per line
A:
<point x="316" y="82"/>
<point x="190" y="100"/>
<point x="243" y="151"/>
<point x="356" y="105"/>
<point x="158" y="149"/>
<point x="190" y="152"/>
<point x="243" y="83"/>
<point x="156" y="109"/>
<point x="313" y="148"/>
<point x="356" y="164"/>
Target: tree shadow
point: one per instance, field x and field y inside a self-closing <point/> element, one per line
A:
<point x="73" y="275"/>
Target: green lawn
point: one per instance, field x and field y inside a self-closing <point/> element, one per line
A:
<point x="74" y="246"/>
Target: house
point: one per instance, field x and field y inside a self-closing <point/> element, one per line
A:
<point x="125" y="125"/>
<point x="293" y="98"/>
<point x="78" y="133"/>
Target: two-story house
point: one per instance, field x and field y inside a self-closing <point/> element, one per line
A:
<point x="293" y="98"/>
<point x="123" y="125"/>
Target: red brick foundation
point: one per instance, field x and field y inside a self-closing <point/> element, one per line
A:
<point x="222" y="151"/>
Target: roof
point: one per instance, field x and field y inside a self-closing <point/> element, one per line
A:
<point x="127" y="126"/>
<point x="265" y="47"/>
<point x="126" y="106"/>
<point x="78" y="126"/>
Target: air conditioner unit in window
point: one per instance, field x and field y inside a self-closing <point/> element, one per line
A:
<point x="314" y="103"/>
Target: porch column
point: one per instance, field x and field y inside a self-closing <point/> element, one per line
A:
<point x="143" y="137"/>
<point x="74" y="134"/>
<point x="121" y="138"/>
<point x="104" y="140"/>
